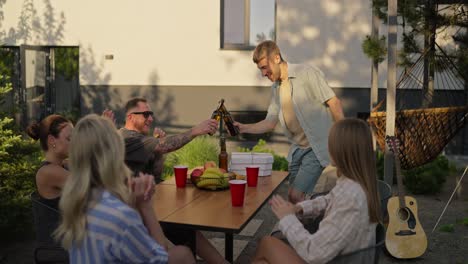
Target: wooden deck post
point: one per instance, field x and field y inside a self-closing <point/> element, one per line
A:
<point x="374" y="93"/>
<point x="391" y="87"/>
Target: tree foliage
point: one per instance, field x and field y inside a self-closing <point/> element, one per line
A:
<point x="375" y="48"/>
<point x="19" y="160"/>
<point x="422" y="18"/>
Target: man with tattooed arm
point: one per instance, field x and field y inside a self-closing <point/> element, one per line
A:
<point x="144" y="153"/>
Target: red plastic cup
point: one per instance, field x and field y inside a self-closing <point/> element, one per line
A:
<point x="180" y="172"/>
<point x="237" y="192"/>
<point x="252" y="176"/>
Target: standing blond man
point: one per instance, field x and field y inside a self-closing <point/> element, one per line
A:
<point x="305" y="106"/>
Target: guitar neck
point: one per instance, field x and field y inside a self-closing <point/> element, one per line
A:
<point x="401" y="194"/>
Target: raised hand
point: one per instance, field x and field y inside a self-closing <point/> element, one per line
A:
<point x="158" y="133"/>
<point x="142" y="189"/>
<point x="281" y="207"/>
<point x="241" y="126"/>
<point x="205" y="127"/>
<point x="109" y="114"/>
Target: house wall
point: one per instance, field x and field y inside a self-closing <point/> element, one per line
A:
<point x="155" y="42"/>
<point x="169" y="52"/>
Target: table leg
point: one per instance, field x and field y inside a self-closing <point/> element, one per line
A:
<point x="229" y="247"/>
<point x="192" y="242"/>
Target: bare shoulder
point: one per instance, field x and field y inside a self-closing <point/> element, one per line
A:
<point x="51" y="172"/>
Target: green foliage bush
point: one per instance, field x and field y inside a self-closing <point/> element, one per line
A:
<point x="448" y="228"/>
<point x="375" y="48"/>
<point x="280" y="163"/>
<point x="429" y="178"/>
<point x="426" y="179"/>
<point x="19" y="160"/>
<point x="195" y="153"/>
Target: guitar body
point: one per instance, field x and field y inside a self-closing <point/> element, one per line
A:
<point x="405" y="237"/>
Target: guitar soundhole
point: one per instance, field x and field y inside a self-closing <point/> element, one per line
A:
<point x="403" y="214"/>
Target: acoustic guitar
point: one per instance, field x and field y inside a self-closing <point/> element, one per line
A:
<point x="405" y="238"/>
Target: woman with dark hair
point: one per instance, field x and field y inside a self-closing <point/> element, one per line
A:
<point x="54" y="133"/>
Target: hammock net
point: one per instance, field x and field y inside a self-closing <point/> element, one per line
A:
<point x="426" y="119"/>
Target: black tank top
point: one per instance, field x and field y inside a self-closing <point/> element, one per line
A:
<point x="46" y="216"/>
<point x="54" y="202"/>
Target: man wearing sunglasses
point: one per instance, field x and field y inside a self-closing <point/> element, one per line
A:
<point x="144" y="149"/>
<point x="144" y="152"/>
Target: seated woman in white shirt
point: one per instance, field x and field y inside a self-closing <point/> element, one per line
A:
<point x="351" y="209"/>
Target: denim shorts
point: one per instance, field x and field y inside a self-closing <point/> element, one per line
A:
<point x="304" y="170"/>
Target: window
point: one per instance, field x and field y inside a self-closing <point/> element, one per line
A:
<point x="245" y="23"/>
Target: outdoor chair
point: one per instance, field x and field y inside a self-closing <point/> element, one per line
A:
<point x="369" y="255"/>
<point x="46" y="220"/>
<point x="385" y="192"/>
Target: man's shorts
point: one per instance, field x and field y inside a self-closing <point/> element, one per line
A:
<point x="304" y="170"/>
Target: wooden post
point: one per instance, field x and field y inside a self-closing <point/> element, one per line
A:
<point x="374" y="93"/>
<point x="391" y="87"/>
<point x="430" y="26"/>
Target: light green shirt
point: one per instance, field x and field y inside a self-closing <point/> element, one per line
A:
<point x="309" y="92"/>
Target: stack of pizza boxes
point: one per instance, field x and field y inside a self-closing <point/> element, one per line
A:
<point x="241" y="160"/>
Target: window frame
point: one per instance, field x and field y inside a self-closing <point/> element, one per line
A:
<point x="245" y="45"/>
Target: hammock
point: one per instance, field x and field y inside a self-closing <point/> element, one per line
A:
<point x="425" y="128"/>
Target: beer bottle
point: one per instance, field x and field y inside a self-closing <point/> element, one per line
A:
<point x="233" y="130"/>
<point x="229" y="121"/>
<point x="215" y="115"/>
<point x="223" y="155"/>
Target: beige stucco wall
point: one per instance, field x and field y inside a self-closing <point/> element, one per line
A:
<point x="177" y="42"/>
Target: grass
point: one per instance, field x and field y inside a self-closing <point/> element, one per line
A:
<point x="463" y="221"/>
<point x="448" y="228"/>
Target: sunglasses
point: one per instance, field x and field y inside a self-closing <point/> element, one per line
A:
<point x="146" y="114"/>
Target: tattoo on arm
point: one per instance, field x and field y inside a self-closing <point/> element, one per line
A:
<point x="168" y="144"/>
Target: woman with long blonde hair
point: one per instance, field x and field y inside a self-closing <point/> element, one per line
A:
<point x="351" y="209"/>
<point x="107" y="217"/>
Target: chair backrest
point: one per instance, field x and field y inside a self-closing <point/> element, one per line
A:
<point x="385" y="192"/>
<point x="46" y="220"/>
<point x="369" y="255"/>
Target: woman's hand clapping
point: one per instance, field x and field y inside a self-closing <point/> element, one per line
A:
<point x="143" y="188"/>
<point x="281" y="207"/>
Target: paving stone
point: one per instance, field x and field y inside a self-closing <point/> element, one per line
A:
<point x="251" y="228"/>
<point x="239" y="246"/>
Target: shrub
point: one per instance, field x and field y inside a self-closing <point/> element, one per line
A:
<point x="195" y="153"/>
<point x="19" y="160"/>
<point x="448" y="228"/>
<point x="463" y="221"/>
<point x="280" y="163"/>
<point x="429" y="178"/>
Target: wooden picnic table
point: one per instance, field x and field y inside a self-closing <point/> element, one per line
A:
<point x="212" y="210"/>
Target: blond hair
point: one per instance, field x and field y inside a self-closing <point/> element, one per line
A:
<point x="266" y="49"/>
<point x="351" y="149"/>
<point x="96" y="163"/>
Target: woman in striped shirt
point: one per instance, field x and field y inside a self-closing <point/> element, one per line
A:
<point x="351" y="209"/>
<point x="107" y="216"/>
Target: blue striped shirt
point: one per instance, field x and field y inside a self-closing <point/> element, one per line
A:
<point x="115" y="234"/>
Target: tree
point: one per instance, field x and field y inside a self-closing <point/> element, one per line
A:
<point x="422" y="21"/>
<point x="19" y="161"/>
